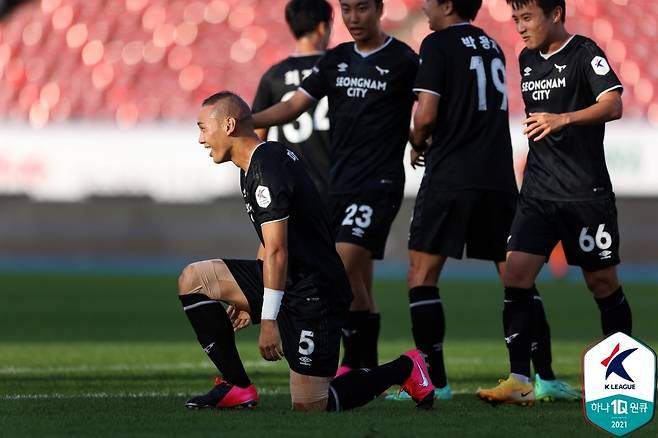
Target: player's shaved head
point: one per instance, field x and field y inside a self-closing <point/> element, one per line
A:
<point x="228" y="104"/>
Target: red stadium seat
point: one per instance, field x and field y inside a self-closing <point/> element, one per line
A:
<point x="143" y="60"/>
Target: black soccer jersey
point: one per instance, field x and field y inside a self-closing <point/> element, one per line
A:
<point x="569" y="164"/>
<point x="277" y="187"/>
<point x="308" y="136"/>
<point x="471" y="146"/>
<point x="370" y="100"/>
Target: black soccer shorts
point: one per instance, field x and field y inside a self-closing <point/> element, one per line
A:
<point x="309" y="326"/>
<point x="365" y="218"/>
<point x="443" y="222"/>
<point x="588" y="230"/>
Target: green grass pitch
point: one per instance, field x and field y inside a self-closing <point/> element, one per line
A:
<point x="95" y="356"/>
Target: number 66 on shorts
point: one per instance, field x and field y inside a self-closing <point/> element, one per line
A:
<point x="588" y="230"/>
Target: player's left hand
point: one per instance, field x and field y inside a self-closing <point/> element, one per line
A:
<point x="417" y="158"/>
<point x="269" y="341"/>
<point x="239" y="318"/>
<point x="539" y="125"/>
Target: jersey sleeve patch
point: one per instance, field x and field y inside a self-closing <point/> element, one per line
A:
<point x="596" y="68"/>
<point x="600" y="65"/>
<point x="263" y="198"/>
<point x="271" y="187"/>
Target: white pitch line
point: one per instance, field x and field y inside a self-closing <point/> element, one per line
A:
<point x="152" y="394"/>
<point x="107" y="395"/>
<point x="124" y="367"/>
<point x="13" y="370"/>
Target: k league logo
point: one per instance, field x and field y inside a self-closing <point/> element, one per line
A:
<point x="619" y="375"/>
<point x="615" y="364"/>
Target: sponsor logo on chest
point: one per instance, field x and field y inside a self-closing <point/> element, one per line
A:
<point x="358" y="86"/>
<point x="541" y="89"/>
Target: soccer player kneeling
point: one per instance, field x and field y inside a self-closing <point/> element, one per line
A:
<point x="299" y="292"/>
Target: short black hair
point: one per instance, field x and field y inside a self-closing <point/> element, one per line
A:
<point x="546" y="5"/>
<point x="229" y="104"/>
<point x="303" y="16"/>
<point x="378" y="3"/>
<point x="466" y="9"/>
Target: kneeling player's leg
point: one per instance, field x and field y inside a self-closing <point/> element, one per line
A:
<point x="427" y="317"/>
<point x="356" y="260"/>
<point x="309" y="393"/>
<point x="202" y="286"/>
<point x="610" y="298"/>
<point x="361" y="386"/>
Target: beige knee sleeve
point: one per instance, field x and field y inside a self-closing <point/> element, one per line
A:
<point x="209" y="276"/>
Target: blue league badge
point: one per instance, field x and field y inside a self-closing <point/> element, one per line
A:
<point x="619" y="377"/>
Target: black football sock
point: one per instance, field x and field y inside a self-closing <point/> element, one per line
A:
<point x="615" y="313"/>
<point x="541" y="339"/>
<point x="354" y="338"/>
<point x="517" y="323"/>
<point x="429" y="327"/>
<point x="369" y="356"/>
<point x="214" y="332"/>
<point x="361" y="386"/>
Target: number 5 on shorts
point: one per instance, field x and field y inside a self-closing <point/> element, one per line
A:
<point x="602" y="239"/>
<point x="305" y="338"/>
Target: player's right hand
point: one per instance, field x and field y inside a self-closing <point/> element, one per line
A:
<point x="417" y="158"/>
<point x="239" y="318"/>
<point x="269" y="341"/>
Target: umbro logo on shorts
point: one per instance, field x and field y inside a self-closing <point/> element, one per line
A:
<point x="605" y="254"/>
<point x="358" y="232"/>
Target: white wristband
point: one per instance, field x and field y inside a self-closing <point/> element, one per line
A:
<point x="271" y="303"/>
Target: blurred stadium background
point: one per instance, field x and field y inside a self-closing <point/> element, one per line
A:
<point x="105" y="194"/>
<point x="99" y="166"/>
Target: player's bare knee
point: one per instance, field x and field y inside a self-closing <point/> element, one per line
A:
<point x="517" y="278"/>
<point x="601" y="285"/>
<point x="360" y="300"/>
<point x="422" y="275"/>
<point x="416" y="276"/>
<point x="187" y="280"/>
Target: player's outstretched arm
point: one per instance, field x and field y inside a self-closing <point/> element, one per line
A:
<point x="283" y="112"/>
<point x="609" y="107"/>
<point x="275" y="268"/>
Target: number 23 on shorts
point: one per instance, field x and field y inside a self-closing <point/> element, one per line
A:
<point x="361" y="215"/>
